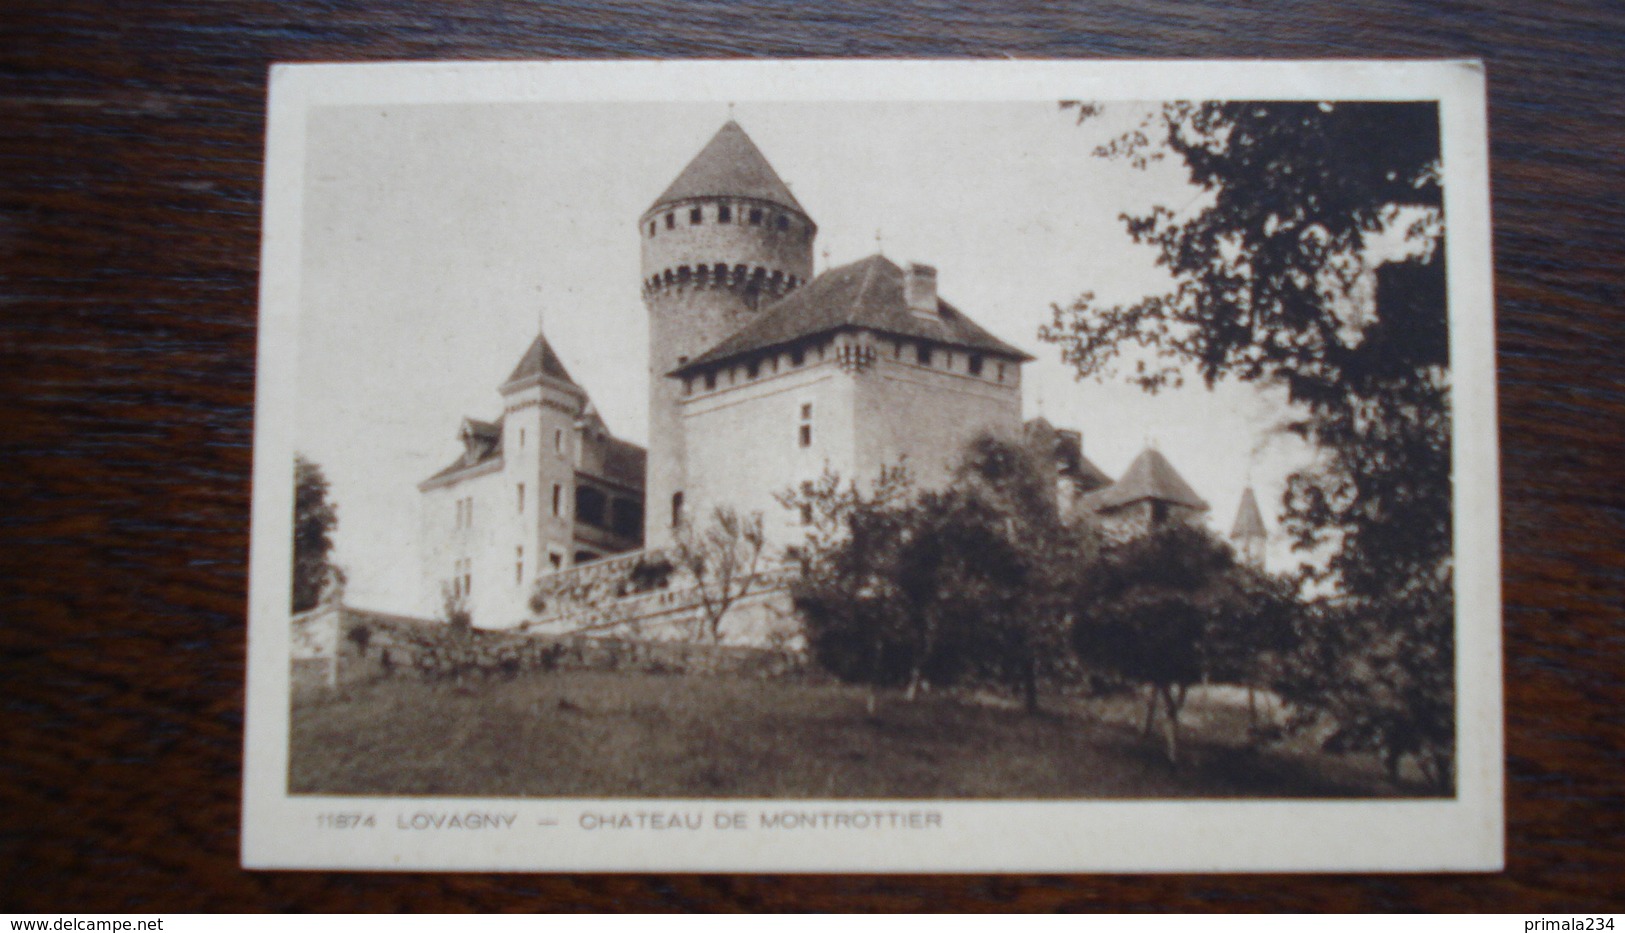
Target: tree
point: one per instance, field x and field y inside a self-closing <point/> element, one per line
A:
<point x="1023" y="563"/>
<point x="860" y="626"/>
<point x="1171" y="608"/>
<point x="314" y="519"/>
<point x="454" y="610"/>
<point x="723" y="559"/>
<point x="906" y="590"/>
<point x="1284" y="273"/>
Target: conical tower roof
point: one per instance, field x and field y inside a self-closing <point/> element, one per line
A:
<point x="1150" y="476"/>
<point x="730" y="165"/>
<point x="1249" y="521"/>
<point x="540" y="360"/>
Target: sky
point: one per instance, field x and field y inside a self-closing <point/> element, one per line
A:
<point x="438" y="239"/>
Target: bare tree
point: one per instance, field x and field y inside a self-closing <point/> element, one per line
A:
<point x="724" y="559"/>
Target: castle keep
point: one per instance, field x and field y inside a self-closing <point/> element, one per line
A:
<point x="760" y="378"/>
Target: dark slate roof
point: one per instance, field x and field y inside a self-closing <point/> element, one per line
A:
<point x="540" y="359"/>
<point x="1150" y="476"/>
<point x="625" y="462"/>
<point x="730" y="165"/>
<point x="866" y="294"/>
<point x="1249" y="521"/>
<point x="488" y="447"/>
<point x="484" y="430"/>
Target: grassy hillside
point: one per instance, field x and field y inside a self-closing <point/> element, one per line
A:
<point x="588" y="733"/>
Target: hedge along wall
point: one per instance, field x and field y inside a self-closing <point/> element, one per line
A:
<point x="372" y="647"/>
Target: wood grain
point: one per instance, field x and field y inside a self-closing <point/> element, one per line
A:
<point x="129" y="226"/>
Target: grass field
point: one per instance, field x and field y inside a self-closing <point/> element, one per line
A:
<point x="589" y="733"/>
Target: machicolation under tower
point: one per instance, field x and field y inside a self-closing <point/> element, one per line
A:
<point x="725" y="239"/>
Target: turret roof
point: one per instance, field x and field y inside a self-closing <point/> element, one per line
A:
<point x="1150" y="476"/>
<point x="866" y="294"/>
<point x="730" y="165"/>
<point x="540" y="360"/>
<point x="1249" y="521"/>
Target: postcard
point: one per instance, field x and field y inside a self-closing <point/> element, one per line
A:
<point x="837" y="466"/>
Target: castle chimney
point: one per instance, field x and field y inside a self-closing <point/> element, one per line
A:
<point x="920" y="288"/>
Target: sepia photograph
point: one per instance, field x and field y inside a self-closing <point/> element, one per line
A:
<point x="761" y="459"/>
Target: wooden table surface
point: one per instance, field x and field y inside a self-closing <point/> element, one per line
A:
<point x="130" y="176"/>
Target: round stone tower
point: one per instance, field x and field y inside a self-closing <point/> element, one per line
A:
<point x="726" y="239"/>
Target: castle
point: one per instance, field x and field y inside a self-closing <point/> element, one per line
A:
<point x="761" y="375"/>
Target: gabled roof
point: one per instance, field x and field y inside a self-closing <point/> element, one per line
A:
<point x="867" y="294"/>
<point x="1249" y="521"/>
<point x="540" y="360"/>
<point x="730" y="165"/>
<point x="1150" y="476"/>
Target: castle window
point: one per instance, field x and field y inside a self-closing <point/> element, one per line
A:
<point x="521" y="498"/>
<point x="556" y="560"/>
<point x="696" y="215"/>
<point x="711" y="380"/>
<point x="688" y="386"/>
<point x="558" y="441"/>
<point x="468" y="577"/>
<point x="671" y="221"/>
<point x="1001" y="372"/>
<point x="558" y="499"/>
<point x="782" y="222"/>
<point x="756" y="216"/>
<point x="725" y="214"/>
<point x="676" y="509"/>
<point x="975" y="364"/>
<point x="798" y="356"/>
<point x="922" y="354"/>
<point x="753" y="369"/>
<point x="806" y="411"/>
<point x="804" y="431"/>
<point x="518" y="565"/>
<point x="521" y="438"/>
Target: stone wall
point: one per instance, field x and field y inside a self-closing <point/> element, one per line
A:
<point x="621" y="598"/>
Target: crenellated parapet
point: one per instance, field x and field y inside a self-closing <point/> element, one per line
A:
<point x="750" y="282"/>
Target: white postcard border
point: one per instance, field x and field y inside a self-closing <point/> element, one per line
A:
<point x="280" y="831"/>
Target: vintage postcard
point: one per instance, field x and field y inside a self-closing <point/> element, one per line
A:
<point x="876" y="467"/>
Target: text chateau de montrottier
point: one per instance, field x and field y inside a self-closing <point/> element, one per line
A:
<point x="761" y="375"/>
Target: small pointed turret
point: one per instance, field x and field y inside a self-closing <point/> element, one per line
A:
<point x="1248" y="532"/>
